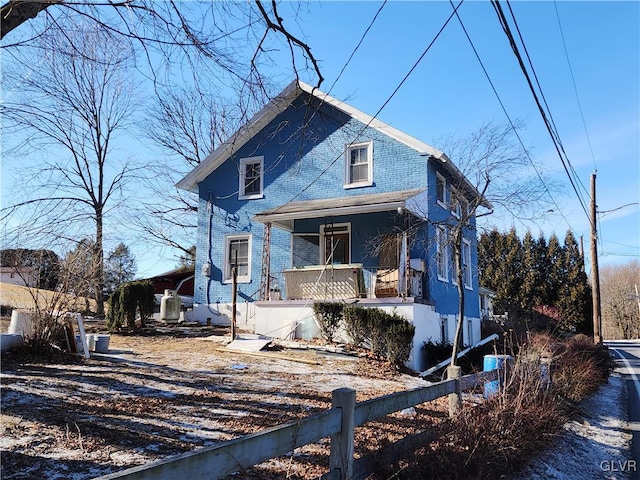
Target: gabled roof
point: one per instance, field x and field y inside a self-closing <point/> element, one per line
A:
<point x="275" y="107"/>
<point x="278" y="105"/>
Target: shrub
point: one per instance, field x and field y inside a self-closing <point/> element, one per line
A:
<point x="127" y="300"/>
<point x="356" y="321"/>
<point x="329" y="315"/>
<point x="378" y="325"/>
<point x="399" y="339"/>
<point x="486" y="441"/>
<point x="436" y="352"/>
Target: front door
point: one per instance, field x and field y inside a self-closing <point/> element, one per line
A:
<point x="337" y="244"/>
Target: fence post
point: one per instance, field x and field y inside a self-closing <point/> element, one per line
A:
<point x="341" y="457"/>
<point x="455" y="399"/>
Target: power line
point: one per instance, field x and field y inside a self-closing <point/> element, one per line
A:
<point x="565" y="162"/>
<point x="504" y="109"/>
<point x="544" y="100"/>
<point x="575" y="88"/>
<point x="404" y="79"/>
<point x="375" y="17"/>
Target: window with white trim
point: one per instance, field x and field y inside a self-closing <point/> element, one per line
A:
<point x="459" y="205"/>
<point x="442" y="254"/>
<point x="441" y="190"/>
<point x="237" y="251"/>
<point x="466" y="263"/>
<point x="359" y="165"/>
<point x="444" y="329"/>
<point x="251" y="178"/>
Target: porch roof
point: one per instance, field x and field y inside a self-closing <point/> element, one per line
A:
<point x="355" y="204"/>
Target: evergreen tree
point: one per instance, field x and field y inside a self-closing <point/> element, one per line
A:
<point x="530" y="293"/>
<point x="555" y="276"/>
<point x="120" y="267"/>
<point x="488" y="260"/>
<point x="507" y="297"/>
<point x="544" y="270"/>
<point x="574" y="298"/>
<point x="535" y="273"/>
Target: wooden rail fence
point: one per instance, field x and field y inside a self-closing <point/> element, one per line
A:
<point x="338" y="423"/>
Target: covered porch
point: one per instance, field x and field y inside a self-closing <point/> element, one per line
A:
<point x="352" y="247"/>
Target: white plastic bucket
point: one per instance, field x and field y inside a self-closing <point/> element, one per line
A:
<point x="102" y="343"/>
<point x="21" y="323"/>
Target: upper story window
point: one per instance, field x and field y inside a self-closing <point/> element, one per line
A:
<point x="459" y="205"/>
<point x="441" y="190"/>
<point x="238" y="253"/>
<point x="442" y="253"/>
<point x="359" y="165"/>
<point x="466" y="263"/>
<point x="251" y="178"/>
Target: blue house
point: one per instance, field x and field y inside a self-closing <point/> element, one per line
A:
<point x="315" y="200"/>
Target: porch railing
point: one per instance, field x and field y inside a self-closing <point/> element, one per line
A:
<point x="335" y="282"/>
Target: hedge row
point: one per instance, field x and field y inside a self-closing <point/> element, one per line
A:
<point x="386" y="335"/>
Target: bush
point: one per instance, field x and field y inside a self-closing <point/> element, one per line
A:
<point x="399" y="339"/>
<point x="386" y="335"/>
<point x="329" y="315"/>
<point x="127" y="300"/>
<point x="498" y="436"/>
<point x="356" y="321"/>
<point x="436" y="352"/>
<point x="378" y="326"/>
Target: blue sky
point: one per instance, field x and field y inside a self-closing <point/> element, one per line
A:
<point x="448" y="93"/>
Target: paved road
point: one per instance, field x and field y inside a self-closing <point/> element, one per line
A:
<point x="627" y="356"/>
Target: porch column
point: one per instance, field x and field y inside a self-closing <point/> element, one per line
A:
<point x="266" y="263"/>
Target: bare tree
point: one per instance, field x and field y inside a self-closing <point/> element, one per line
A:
<point x="183" y="32"/>
<point x="493" y="174"/>
<point x="619" y="285"/>
<point x="496" y="174"/>
<point x="187" y="125"/>
<point x="69" y="105"/>
<point x="46" y="311"/>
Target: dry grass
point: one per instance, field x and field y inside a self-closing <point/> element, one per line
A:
<point x="18" y="296"/>
<point x="497" y="436"/>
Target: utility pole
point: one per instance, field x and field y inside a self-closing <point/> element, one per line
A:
<point x="595" y="275"/>
<point x="234" y="296"/>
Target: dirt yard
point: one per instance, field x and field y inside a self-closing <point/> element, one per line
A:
<point x="170" y="390"/>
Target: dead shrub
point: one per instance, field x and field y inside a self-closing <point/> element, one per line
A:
<point x="500" y="434"/>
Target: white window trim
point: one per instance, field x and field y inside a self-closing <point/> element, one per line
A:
<point x="466" y="273"/>
<point x="323" y="242"/>
<point x="444" y="328"/>
<point x="441" y="241"/>
<point x="241" y="178"/>
<point x="443" y="202"/>
<point x="347" y="165"/>
<point x="455" y="203"/>
<point x="226" y="264"/>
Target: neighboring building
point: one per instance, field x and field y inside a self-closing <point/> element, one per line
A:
<point x="315" y="200"/>
<point x="180" y="280"/>
<point x="25" y="276"/>
<point x="486" y="302"/>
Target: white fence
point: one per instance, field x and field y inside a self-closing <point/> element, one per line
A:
<point x="338" y="423"/>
